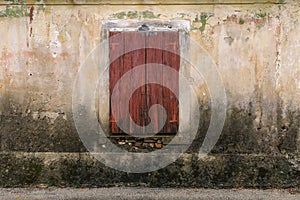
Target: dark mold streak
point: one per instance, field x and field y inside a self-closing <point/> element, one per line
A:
<point x="31" y="18"/>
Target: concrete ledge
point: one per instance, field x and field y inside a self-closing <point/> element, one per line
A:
<point x="19" y="169"/>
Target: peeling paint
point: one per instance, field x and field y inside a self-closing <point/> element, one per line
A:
<point x="229" y="40"/>
<point x="55" y="45"/>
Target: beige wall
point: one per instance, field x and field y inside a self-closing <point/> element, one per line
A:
<point x="255" y="47"/>
<point x="254" y="43"/>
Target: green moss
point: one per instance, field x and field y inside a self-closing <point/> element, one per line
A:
<point x="15" y="1"/>
<point x="281" y="1"/>
<point x="149" y="14"/>
<point x="241" y="21"/>
<point x="41" y="7"/>
<point x="193" y="28"/>
<point x="19" y="171"/>
<point x="135" y="15"/>
<point x="132" y="14"/>
<point x="261" y="26"/>
<point x="203" y="19"/>
<point x="196" y="19"/>
<point x="120" y="15"/>
<point x="15" y="11"/>
<point x="31" y="169"/>
<point x="261" y="15"/>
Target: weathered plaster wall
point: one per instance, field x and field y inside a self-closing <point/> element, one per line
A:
<point x="255" y="47"/>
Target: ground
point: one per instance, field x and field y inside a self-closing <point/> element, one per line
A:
<point x="146" y="193"/>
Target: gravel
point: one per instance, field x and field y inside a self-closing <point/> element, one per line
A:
<point x="146" y="193"/>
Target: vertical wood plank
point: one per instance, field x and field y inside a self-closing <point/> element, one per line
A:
<point x="170" y="101"/>
<point x="154" y="91"/>
<point x="127" y="66"/>
<point x="116" y="48"/>
<point x="133" y="59"/>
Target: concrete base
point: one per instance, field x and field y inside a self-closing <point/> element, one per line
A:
<point x="20" y="169"/>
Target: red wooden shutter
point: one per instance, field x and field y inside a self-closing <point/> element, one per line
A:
<point x="149" y="94"/>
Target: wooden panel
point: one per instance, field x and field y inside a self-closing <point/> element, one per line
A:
<point x="116" y="46"/>
<point x="118" y="68"/>
<point x="170" y="101"/>
<point x="150" y="94"/>
<point x="137" y="102"/>
<point x="127" y="66"/>
<point x="154" y="91"/>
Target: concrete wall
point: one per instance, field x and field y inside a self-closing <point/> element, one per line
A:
<point x="253" y="43"/>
